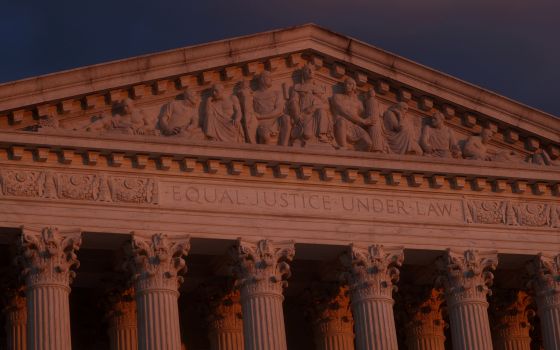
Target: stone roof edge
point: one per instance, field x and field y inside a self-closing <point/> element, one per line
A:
<point x="105" y="76"/>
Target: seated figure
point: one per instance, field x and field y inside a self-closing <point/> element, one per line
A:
<point x="438" y="139"/>
<point x="350" y="121"/>
<point x="264" y="117"/>
<point x="222" y="117"/>
<point x="400" y="130"/>
<point x="477" y="148"/>
<point x="308" y="109"/>
<point x="180" y="117"/>
<point x="125" y="119"/>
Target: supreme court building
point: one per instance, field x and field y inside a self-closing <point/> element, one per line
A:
<point x="295" y="189"/>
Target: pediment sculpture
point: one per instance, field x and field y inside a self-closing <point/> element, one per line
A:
<point x="303" y="110"/>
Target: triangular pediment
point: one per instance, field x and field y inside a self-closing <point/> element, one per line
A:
<point x="143" y="97"/>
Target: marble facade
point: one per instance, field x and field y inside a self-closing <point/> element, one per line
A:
<point x="293" y="189"/>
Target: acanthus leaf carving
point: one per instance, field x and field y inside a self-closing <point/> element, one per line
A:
<point x="157" y="262"/>
<point x="373" y="271"/>
<point x="466" y="275"/>
<point x="328" y="307"/>
<point x="423" y="307"/>
<point x="49" y="256"/>
<point x="511" y="313"/>
<point x="262" y="266"/>
<point x="545" y="280"/>
<point x="221" y="306"/>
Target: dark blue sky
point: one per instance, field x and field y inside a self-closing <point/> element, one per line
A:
<point x="508" y="46"/>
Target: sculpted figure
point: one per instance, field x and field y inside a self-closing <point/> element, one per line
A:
<point x="376" y="129"/>
<point x="541" y="157"/>
<point x="222" y="117"/>
<point x="274" y="126"/>
<point x="400" y="129"/>
<point x="308" y="108"/>
<point x="476" y="148"/>
<point x="180" y="117"/>
<point x="350" y="119"/>
<point x="438" y="139"/>
<point x="126" y="119"/>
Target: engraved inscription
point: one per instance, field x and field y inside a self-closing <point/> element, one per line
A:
<point x="297" y="202"/>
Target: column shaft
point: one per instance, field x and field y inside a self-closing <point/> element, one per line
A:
<point x="375" y="324"/>
<point x="157" y="263"/>
<point x="466" y="277"/>
<point x="372" y="275"/>
<point x="262" y="269"/>
<point x="121" y="314"/>
<point x="158" y="316"/>
<point x="49" y="318"/>
<point x="263" y="320"/>
<point x="16" y="321"/>
<point x="48" y="257"/>
<point x="550" y="320"/>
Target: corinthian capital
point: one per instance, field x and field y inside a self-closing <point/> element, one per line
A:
<point x="157" y="262"/>
<point x="373" y="271"/>
<point x="328" y="307"/>
<point x="423" y="307"/>
<point x="545" y="273"/>
<point x="48" y="256"/>
<point x="263" y="265"/>
<point x="467" y="274"/>
<point x="511" y="313"/>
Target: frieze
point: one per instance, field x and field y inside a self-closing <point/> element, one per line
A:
<point x="534" y="214"/>
<point x="78" y="186"/>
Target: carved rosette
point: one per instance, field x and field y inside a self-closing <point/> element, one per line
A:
<point x="545" y="282"/>
<point x="330" y="313"/>
<point x="466" y="275"/>
<point x="157" y="262"/>
<point x="373" y="271"/>
<point x="48" y="256"/>
<point x="262" y="267"/>
<point x="511" y="314"/>
<point x="424" y="317"/>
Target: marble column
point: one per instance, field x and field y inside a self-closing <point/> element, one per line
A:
<point x="545" y="271"/>
<point x="48" y="257"/>
<point x="157" y="263"/>
<point x="372" y="274"/>
<point x="331" y="317"/>
<point x="510" y="320"/>
<point x="467" y="280"/>
<point x="224" y="317"/>
<point x="122" y="318"/>
<point x="15" y="313"/>
<point x="262" y="270"/>
<point x="424" y="326"/>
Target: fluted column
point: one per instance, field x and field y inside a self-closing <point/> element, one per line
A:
<point x="545" y="283"/>
<point x="467" y="280"/>
<point x="224" y="316"/>
<point x="262" y="270"/>
<point x="122" y="318"/>
<point x="424" y="327"/>
<point x="48" y="257"/>
<point x="510" y="320"/>
<point x="157" y="264"/>
<point x="372" y="274"/>
<point x="15" y="313"/>
<point x="331" y="317"/>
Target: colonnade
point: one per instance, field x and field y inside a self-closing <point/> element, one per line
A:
<point x="355" y="314"/>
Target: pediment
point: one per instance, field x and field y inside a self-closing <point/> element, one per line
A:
<point x="128" y="99"/>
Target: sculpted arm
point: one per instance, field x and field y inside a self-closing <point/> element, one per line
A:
<point x="424" y="139"/>
<point x="453" y="145"/>
<point x="236" y="117"/>
<point x="343" y="109"/>
<point x="392" y="120"/>
<point x="278" y="108"/>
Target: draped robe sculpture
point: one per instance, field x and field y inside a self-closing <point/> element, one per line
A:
<point x="180" y="117"/>
<point x="400" y="129"/>
<point x="222" y="117"/>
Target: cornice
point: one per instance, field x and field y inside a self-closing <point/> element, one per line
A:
<point x="378" y="63"/>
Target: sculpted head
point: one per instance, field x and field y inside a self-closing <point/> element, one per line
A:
<point x="265" y="80"/>
<point x="128" y="105"/>
<point x="217" y="91"/>
<point x="349" y="85"/>
<point x="307" y="71"/>
<point x="189" y="95"/>
<point x="437" y="120"/>
<point x="402" y="106"/>
<point x="486" y="135"/>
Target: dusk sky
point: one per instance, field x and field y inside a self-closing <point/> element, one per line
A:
<point x="509" y="46"/>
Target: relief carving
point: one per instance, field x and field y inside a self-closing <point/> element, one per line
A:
<point x="180" y="117"/>
<point x="438" y="140"/>
<point x="88" y="187"/>
<point x="308" y="107"/>
<point x="222" y="117"/>
<point x="401" y="131"/>
<point x="303" y="112"/>
<point x="512" y="213"/>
